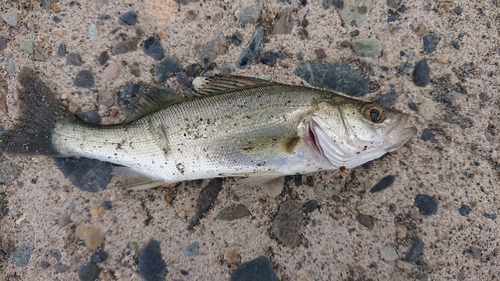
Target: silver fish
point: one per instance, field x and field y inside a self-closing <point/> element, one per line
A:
<point x="237" y="127"/>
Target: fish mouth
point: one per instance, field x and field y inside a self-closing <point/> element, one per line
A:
<point x="398" y="133"/>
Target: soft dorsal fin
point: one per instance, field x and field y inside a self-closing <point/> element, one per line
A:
<point x="151" y="99"/>
<point x="223" y="83"/>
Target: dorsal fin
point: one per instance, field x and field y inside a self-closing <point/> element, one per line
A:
<point x="223" y="83"/>
<point x="151" y="99"/>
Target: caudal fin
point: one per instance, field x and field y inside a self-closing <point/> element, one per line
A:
<point x="39" y="111"/>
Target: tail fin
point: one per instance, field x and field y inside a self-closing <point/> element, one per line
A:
<point x="39" y="110"/>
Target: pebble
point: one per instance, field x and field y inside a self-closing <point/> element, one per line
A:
<point x="100" y="257"/>
<point x="233" y="212"/>
<point x="22" y="254"/>
<point x="10" y="18"/>
<point x="303" y="34"/>
<point x="427" y="205"/>
<point x="103" y="58"/>
<point x="111" y="72"/>
<point x="456" y="45"/>
<point x="64" y="220"/>
<point x="310" y="181"/>
<point x="451" y="96"/>
<point x="86" y="174"/>
<point x="10" y="64"/>
<point x="476" y="252"/>
<point x="416" y="248"/>
<point x="413" y="106"/>
<point x="129" y="95"/>
<point x="84" y="79"/>
<point x="345" y="44"/>
<point x="319" y="189"/>
<point x="490" y="216"/>
<point x="464" y="210"/>
<point x="55" y="253"/>
<point x="421" y="74"/>
<point x="192" y="250"/>
<point x="90" y="116"/>
<point x="443" y="59"/>
<point x="393" y="3"/>
<point x="406" y="68"/>
<point x="232" y="257"/>
<point x="249" y="53"/>
<point x="269" y="58"/>
<point x="311" y="205"/>
<point x="152" y="48"/>
<point x="40" y="54"/>
<point x="300" y="56"/>
<point x="88" y="271"/>
<point x="44" y="264"/>
<point x="129" y="17"/>
<point x="285" y="23"/>
<point x="367" y="48"/>
<point x="287" y="225"/>
<point x="366" y="220"/>
<point x="182" y="79"/>
<point x="355" y="13"/>
<point x="93" y="32"/>
<point x="225" y="68"/>
<point x="236" y="38"/>
<point x="74" y="59"/>
<point x="135" y="70"/>
<point x="427" y="135"/>
<point x="56" y="19"/>
<point x="392" y="208"/>
<point x="166" y="68"/>
<point x="388" y="253"/>
<point x="384" y="183"/>
<point x="126" y="46"/>
<point x="92" y="236"/>
<point x="430" y="43"/>
<point x="427" y="108"/>
<point x="260" y="269"/>
<point x="388" y="99"/>
<point x="297" y="179"/>
<point x="335" y="76"/>
<point x="105" y="98"/>
<point x="320" y="54"/>
<point x="61" y="50"/>
<point x="213" y="48"/>
<point x="28" y="46"/>
<point x="205" y="200"/>
<point x="3" y="42"/>
<point x="248" y="15"/>
<point x="61" y="268"/>
<point x="191" y="15"/>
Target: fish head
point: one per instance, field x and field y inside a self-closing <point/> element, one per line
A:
<point x="350" y="133"/>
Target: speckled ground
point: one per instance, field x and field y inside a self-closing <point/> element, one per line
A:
<point x="457" y="167"/>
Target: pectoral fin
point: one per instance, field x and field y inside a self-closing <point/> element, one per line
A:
<point x="273" y="146"/>
<point x="129" y="179"/>
<point x="270" y="182"/>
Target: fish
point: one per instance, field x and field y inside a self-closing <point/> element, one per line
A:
<point x="243" y="127"/>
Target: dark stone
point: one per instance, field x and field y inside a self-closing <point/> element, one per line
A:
<point x="257" y="269"/>
<point x="233" y="212"/>
<point x="88" y="271"/>
<point x="282" y="55"/>
<point x="56" y="19"/>
<point x="205" y="200"/>
<point x="84" y="79"/>
<point x="3" y="42"/>
<point x="287" y="225"/>
<point x="208" y="64"/>
<point x="345" y="44"/>
<point x="392" y="208"/>
<point x="427" y="135"/>
<point x="402" y="9"/>
<point x="392" y="18"/>
<point x="430" y="43"/>
<point x="311" y="205"/>
<point x="63" y="220"/>
<point x="183" y="79"/>
<point x="107" y="205"/>
<point x="91" y="116"/>
<point x="212" y="48"/>
<point x="74" y="59"/>
<point x="413" y="106"/>
<point x="86" y="174"/>
<point x="129" y="17"/>
<point x="22" y="255"/>
<point x="388" y="99"/>
<point x="100" y="257"/>
<point x="421" y="74"/>
<point x="193" y="70"/>
<point x="310" y="181"/>
<point x="449" y="119"/>
<point x="249" y="53"/>
<point x="464" y="210"/>
<point x="326" y="4"/>
<point x="456" y="45"/>
<point x="383" y="68"/>
<point x="338" y="3"/>
<point x="476" y="252"/>
<point x="268" y="58"/>
<point x="55" y="253"/>
<point x="303" y="2"/>
<point x="416" y="248"/>
<point x="236" y="38"/>
<point x="483" y="95"/>
<point x="336" y="76"/>
<point x="126" y="46"/>
<point x="61" y="268"/>
<point x="167" y="68"/>
<point x="458" y="10"/>
<point x="297" y="179"/>
<point x="129" y="95"/>
<point x="427" y="205"/>
<point x="320" y="54"/>
<point x="355" y="33"/>
<point x="192" y="250"/>
<point x="61" y="50"/>
<point x="225" y="68"/>
<point x="300" y="56"/>
<point x="44" y="264"/>
<point x="490" y="216"/>
<point x="103" y="58"/>
<point x="151" y="265"/>
<point x="134" y="69"/>
<point x="366" y="220"/>
<point x="152" y="48"/>
<point x="184" y="272"/>
<point x="384" y="183"/>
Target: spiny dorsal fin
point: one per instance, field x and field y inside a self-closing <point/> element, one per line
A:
<point x="151" y="99"/>
<point x="223" y="83"/>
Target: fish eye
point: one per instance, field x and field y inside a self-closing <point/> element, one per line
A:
<point x="373" y="112"/>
